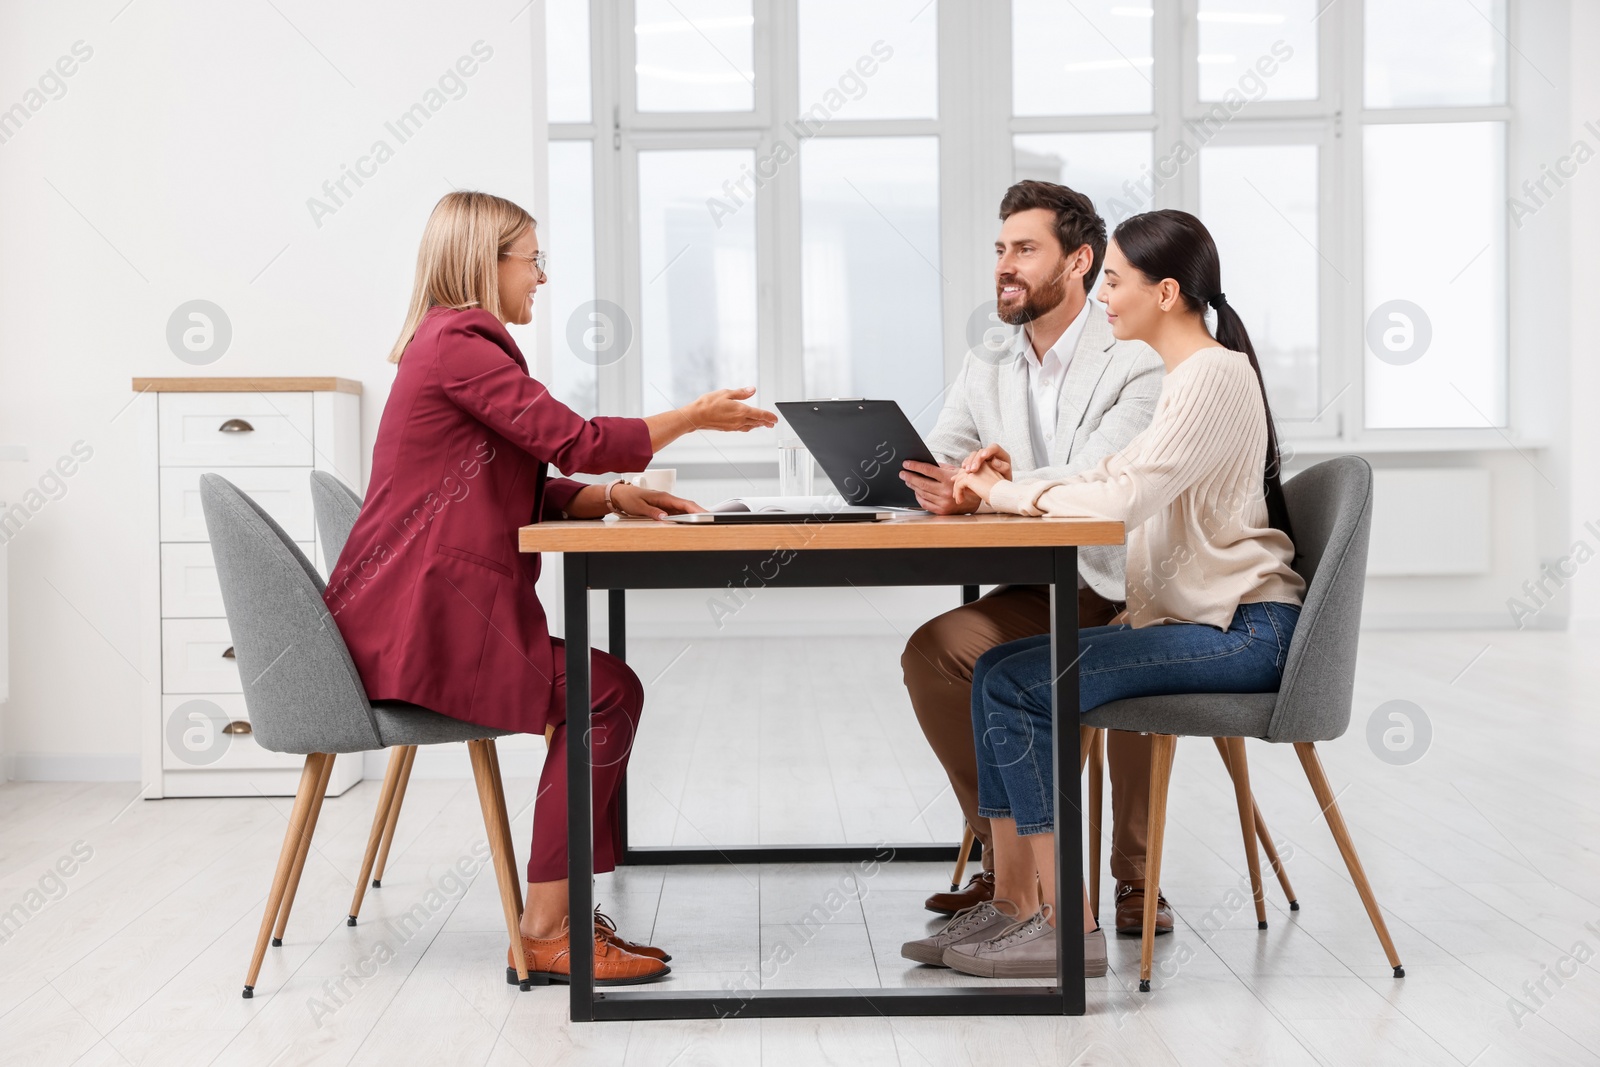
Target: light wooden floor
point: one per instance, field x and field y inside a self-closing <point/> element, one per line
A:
<point x="1483" y="854"/>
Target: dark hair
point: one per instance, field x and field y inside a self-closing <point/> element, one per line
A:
<point x="1174" y="244"/>
<point x="1077" y="222"/>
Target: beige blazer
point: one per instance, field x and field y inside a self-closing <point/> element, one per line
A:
<point x="1108" y="397"/>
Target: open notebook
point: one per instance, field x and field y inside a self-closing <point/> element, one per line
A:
<point x="746" y="509"/>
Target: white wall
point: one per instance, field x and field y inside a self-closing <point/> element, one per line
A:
<point x="177" y="165"/>
<point x="1584" y="281"/>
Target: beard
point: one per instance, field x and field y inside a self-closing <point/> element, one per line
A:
<point x="1035" y="302"/>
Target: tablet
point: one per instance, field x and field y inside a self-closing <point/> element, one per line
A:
<point x="860" y="445"/>
<point x="794" y="518"/>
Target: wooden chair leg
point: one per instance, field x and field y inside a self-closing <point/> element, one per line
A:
<point x="505" y="826"/>
<point x="380" y="818"/>
<point x="1233" y="757"/>
<point x="305" y="849"/>
<point x="967" y="838"/>
<point x="1162" y="748"/>
<point x="1312" y="763"/>
<point x="494" y="817"/>
<point x="1096" y="754"/>
<point x="310" y="776"/>
<point x="1272" y="856"/>
<point x="394" y="815"/>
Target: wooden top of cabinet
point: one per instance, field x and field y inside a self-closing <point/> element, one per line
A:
<point x="246" y="385"/>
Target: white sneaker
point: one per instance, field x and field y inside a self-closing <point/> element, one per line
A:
<point x="977" y="923"/>
<point x="1025" y="949"/>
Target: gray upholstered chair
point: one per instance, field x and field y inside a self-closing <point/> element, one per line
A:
<point x="304" y="696"/>
<point x="337" y="506"/>
<point x="1330" y="508"/>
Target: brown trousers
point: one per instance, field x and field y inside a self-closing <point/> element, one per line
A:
<point x="938" y="663"/>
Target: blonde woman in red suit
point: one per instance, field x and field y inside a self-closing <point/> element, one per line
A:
<point x="431" y="594"/>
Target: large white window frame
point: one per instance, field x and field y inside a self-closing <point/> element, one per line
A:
<point x="975" y="128"/>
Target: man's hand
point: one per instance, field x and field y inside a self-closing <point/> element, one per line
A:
<point x="936" y="490"/>
<point x="651" y="503"/>
<point x="978" y="482"/>
<point x="994" y="456"/>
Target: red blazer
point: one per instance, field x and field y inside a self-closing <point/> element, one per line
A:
<point x="435" y="602"/>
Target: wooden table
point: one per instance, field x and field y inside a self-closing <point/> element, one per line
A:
<point x="965" y="550"/>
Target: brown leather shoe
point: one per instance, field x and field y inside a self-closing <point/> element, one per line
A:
<point x="608" y="930"/>
<point x="549" y="960"/>
<point x="1130" y="911"/>
<point x="979" y="888"/>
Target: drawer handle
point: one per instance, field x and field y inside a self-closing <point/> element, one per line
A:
<point x="235" y="426"/>
<point x="227" y="653"/>
<point x="237" y="726"/>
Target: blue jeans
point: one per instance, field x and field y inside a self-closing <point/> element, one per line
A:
<point x="1011" y="693"/>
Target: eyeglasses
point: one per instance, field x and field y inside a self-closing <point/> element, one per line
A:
<point x="538" y="259"/>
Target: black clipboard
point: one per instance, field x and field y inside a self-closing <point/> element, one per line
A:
<point x="861" y="445"/>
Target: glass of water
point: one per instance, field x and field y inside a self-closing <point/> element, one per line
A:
<point x="795" y="469"/>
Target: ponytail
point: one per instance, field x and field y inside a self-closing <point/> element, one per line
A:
<point x="1231" y="334"/>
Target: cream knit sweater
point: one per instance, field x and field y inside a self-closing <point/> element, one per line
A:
<point x="1189" y="490"/>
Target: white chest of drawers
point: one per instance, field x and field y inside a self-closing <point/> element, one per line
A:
<point x="265" y="435"/>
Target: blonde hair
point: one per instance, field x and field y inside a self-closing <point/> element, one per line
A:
<point x="458" y="263"/>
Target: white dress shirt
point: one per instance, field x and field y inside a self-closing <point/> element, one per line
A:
<point x="1045" y="376"/>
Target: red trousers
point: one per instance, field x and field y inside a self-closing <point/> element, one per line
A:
<point x="617" y="699"/>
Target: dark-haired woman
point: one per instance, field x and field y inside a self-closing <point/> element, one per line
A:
<point x="1212" y="598"/>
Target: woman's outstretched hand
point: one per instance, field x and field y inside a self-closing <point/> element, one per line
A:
<point x="723" y="410"/>
<point x="720" y="410"/>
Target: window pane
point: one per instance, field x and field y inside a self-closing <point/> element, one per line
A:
<point x="1463" y="64"/>
<point x="1435" y="308"/>
<point x="1260" y="204"/>
<point x="869" y="61"/>
<point x="579" y="340"/>
<point x="566" y="29"/>
<point x="1112" y="169"/>
<point x="1260" y="49"/>
<point x="1089" y="57"/>
<point x="869" y="225"/>
<point x="694" y="55"/>
<point x="698" y="273"/>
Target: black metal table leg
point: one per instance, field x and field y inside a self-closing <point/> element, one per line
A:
<point x="1064" y="696"/>
<point x="580" y="791"/>
<point x="617" y="645"/>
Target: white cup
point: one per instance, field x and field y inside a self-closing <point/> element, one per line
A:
<point x="663" y="479"/>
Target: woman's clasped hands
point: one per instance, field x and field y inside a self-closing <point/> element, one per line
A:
<point x="980" y="471"/>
